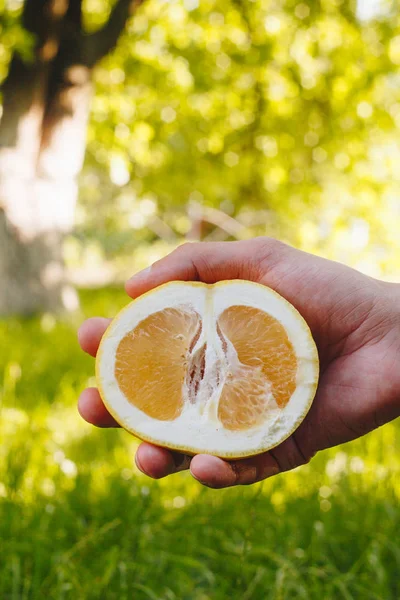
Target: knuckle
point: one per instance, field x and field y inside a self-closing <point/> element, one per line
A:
<point x="268" y="242"/>
<point x="301" y="457"/>
<point x="290" y="454"/>
<point x="267" y="253"/>
<point x="197" y="256"/>
<point x="185" y="248"/>
<point x="269" y="246"/>
<point x="191" y="251"/>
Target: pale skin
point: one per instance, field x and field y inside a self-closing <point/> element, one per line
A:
<point x="355" y="322"/>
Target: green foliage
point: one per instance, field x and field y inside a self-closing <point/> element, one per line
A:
<point x="13" y="37"/>
<point x="283" y="115"/>
<point x="228" y="119"/>
<point x="77" y="520"/>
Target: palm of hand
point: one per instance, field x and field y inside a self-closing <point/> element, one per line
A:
<point x="351" y="318"/>
<point x="356" y="394"/>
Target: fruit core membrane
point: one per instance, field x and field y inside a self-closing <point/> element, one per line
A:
<point x="158" y="367"/>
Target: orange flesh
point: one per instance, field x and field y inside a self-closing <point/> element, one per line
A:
<point x="153" y="362"/>
<point x="267" y="356"/>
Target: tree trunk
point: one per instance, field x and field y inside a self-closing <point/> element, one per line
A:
<point x="42" y="145"/>
<point x="41" y="153"/>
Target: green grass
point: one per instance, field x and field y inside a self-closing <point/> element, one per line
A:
<point x="78" y="521"/>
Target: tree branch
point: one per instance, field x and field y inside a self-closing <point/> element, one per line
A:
<point x="40" y="17"/>
<point x="50" y="21"/>
<point x="33" y="16"/>
<point x="99" y="44"/>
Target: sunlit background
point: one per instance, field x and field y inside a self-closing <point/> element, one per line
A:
<point x="230" y="120"/>
<point x="210" y="120"/>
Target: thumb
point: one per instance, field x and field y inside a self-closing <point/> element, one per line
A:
<point x="211" y="262"/>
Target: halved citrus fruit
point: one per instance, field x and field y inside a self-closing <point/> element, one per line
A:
<point x="228" y="369"/>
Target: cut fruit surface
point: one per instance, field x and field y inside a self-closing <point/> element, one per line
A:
<point x="151" y="362"/>
<point x="228" y="369"/>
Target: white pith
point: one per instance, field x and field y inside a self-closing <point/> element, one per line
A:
<point x="198" y="429"/>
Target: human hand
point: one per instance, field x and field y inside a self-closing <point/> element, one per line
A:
<point x="355" y="322"/>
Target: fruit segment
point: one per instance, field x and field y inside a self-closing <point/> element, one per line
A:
<point x="152" y="361"/>
<point x="264" y="377"/>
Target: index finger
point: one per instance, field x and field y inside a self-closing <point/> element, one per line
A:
<point x="209" y="262"/>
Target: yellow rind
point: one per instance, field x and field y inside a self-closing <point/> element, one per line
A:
<point x="186" y="449"/>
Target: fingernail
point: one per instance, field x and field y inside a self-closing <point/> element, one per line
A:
<point x="140" y="274"/>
